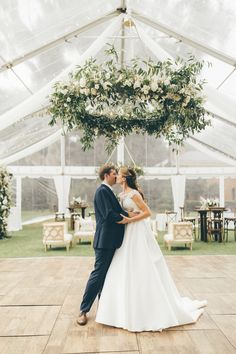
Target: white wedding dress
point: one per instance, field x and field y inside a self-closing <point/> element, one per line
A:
<point x="139" y="293"/>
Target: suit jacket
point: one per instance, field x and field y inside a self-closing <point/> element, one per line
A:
<point x="108" y="233"/>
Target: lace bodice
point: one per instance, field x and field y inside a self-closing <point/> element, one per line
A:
<point x="127" y="202"/>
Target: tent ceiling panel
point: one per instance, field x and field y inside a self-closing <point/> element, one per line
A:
<point x="38" y="71"/>
<point x="219" y="137"/>
<point x="212" y="22"/>
<point x="49" y="156"/>
<point x="190" y="156"/>
<point x="32" y="130"/>
<point x="213" y="74"/>
<point x="9" y="85"/>
<point x="30" y="25"/>
<point x="229" y="86"/>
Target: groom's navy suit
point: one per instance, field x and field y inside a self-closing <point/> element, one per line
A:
<point x="108" y="236"/>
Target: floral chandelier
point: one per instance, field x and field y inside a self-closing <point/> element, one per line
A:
<point x="157" y="98"/>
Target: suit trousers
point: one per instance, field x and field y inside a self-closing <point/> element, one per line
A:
<point x="103" y="258"/>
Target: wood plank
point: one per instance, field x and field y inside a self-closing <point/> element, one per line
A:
<point x="35" y="296"/>
<point x="71" y="305"/>
<point x="202" y="342"/>
<point x="9" y="280"/>
<point x="95" y="337"/>
<point x="27" y="320"/>
<point x="204" y="322"/>
<point x="219" y="304"/>
<point x="58" y="336"/>
<point x="227" y="324"/>
<point x="171" y="342"/>
<point x="132" y="352"/>
<point x="212" y="285"/>
<point x="211" y="341"/>
<point x="23" y="345"/>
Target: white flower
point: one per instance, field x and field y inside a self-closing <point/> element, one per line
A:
<point x="137" y="84"/>
<point x="154" y="86"/>
<point x="68" y="99"/>
<point x="82" y="82"/>
<point x="166" y="81"/>
<point x="107" y="76"/>
<point x="143" y="98"/>
<point x="186" y="101"/>
<point x="93" y="91"/>
<point x="128" y="83"/>
<point x="96" y="86"/>
<point x="145" y="89"/>
<point x="64" y="91"/>
<point x="65" y="105"/>
<point x="105" y="85"/>
<point x="86" y="91"/>
<point x="5" y="201"/>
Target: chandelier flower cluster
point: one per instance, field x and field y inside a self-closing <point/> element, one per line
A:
<point x="157" y="98"/>
<point x="5" y="200"/>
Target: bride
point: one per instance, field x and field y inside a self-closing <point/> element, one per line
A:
<point x="139" y="293"/>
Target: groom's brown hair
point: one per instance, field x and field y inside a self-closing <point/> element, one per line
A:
<point x="105" y="169"/>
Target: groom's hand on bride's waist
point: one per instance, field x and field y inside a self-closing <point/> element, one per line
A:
<point x="126" y="219"/>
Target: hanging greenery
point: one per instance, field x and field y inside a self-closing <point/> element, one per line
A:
<point x="5" y="200"/>
<point x="157" y="98"/>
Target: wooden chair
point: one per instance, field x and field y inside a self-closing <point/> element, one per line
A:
<point x="84" y="230"/>
<point x="59" y="217"/>
<point x="55" y="234"/>
<point x="179" y="233"/>
<point x="171" y="216"/>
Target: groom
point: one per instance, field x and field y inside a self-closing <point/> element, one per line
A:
<point x="108" y="236"/>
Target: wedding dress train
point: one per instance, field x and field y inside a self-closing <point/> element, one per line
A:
<point x="139" y="293"/>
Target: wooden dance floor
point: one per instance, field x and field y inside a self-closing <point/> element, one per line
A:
<point x="40" y="297"/>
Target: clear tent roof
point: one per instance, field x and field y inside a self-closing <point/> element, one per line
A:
<point x="41" y="38"/>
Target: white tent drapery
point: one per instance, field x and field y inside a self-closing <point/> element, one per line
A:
<point x="178" y="190"/>
<point x="62" y="184"/>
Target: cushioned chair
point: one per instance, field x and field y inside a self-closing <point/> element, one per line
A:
<point x="55" y="234"/>
<point x="179" y="233"/>
<point x="84" y="230"/>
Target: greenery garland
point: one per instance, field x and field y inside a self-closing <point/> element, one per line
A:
<point x="5" y="200"/>
<point x="157" y="98"/>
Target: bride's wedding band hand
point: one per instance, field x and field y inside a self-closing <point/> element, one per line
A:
<point x="133" y="213"/>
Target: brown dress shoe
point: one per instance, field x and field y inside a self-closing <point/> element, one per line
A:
<point x="82" y="319"/>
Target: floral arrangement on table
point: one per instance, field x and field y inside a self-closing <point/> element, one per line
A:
<point x="5" y="200"/>
<point x="157" y="98"/>
<point x="209" y="202"/>
<point x="77" y="202"/>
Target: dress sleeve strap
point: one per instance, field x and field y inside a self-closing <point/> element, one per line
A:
<point x="133" y="192"/>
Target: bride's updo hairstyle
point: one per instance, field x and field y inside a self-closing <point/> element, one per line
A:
<point x="131" y="178"/>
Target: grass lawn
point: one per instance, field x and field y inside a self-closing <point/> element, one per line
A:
<point x="28" y="243"/>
